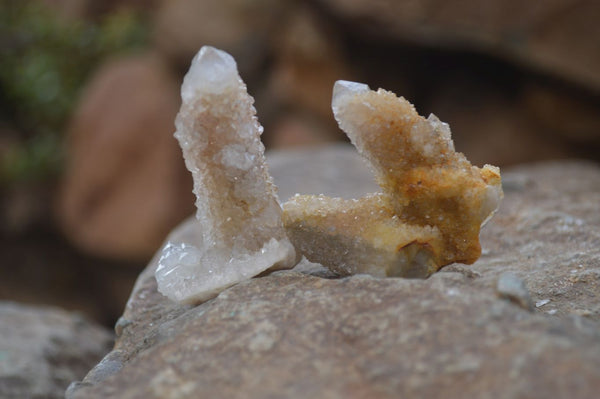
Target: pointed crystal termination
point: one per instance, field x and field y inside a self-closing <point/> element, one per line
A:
<point x="426" y="184"/>
<point x="239" y="232"/>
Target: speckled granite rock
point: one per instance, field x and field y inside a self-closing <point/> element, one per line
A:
<point x="293" y="334"/>
<point x="43" y="349"/>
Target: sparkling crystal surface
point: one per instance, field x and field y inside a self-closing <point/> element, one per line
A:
<point x="238" y="231"/>
<point x="433" y="201"/>
<point x="360" y="236"/>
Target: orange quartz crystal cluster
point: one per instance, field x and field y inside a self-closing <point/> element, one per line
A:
<point x="432" y="205"/>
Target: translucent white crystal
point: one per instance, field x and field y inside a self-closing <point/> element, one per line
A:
<point x="344" y="89"/>
<point x="239" y="232"/>
<point x="189" y="271"/>
<point x="215" y="69"/>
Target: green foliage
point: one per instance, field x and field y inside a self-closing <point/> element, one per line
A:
<point x="44" y="61"/>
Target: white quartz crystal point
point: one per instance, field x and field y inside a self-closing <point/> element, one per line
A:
<point x="344" y="92"/>
<point x="212" y="70"/>
<point x="344" y="89"/>
<point x="238" y="212"/>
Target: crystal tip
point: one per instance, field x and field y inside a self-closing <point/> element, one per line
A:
<point x="211" y="71"/>
<point x="213" y="58"/>
<point x="343" y="88"/>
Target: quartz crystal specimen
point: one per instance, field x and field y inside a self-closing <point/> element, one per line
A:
<point x="238" y="232"/>
<point x="359" y="236"/>
<point x="433" y="203"/>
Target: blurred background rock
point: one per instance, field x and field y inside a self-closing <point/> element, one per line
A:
<point x="92" y="180"/>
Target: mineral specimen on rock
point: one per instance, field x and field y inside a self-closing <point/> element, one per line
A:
<point x="448" y="336"/>
<point x="433" y="204"/>
<point x="360" y="236"/>
<point x="239" y="230"/>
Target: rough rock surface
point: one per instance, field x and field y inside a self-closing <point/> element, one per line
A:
<point x="294" y="334"/>
<point x="43" y="349"/>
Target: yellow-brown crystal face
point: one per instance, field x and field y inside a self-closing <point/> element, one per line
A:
<point x="360" y="236"/>
<point x="426" y="184"/>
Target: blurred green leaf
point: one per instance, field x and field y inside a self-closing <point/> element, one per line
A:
<point x="45" y="61"/>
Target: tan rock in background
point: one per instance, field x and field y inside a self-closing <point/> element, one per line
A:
<point x="125" y="184"/>
<point x="559" y="112"/>
<point x="308" y="61"/>
<point x="560" y="37"/>
<point x="242" y="28"/>
<point x="490" y="125"/>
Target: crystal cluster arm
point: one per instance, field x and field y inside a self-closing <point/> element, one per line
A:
<point x="430" y="192"/>
<point x="239" y="228"/>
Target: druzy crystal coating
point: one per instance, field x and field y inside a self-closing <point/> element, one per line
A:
<point x="239" y="232"/>
<point x="432" y="205"/>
